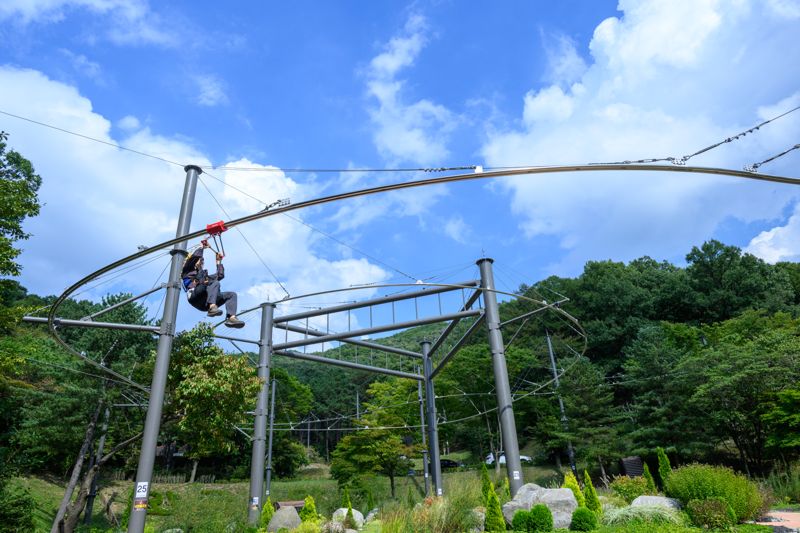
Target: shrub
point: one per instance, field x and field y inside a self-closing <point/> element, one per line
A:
<point x="664" y="468"/>
<point x="629" y="488"/>
<point x="540" y="518"/>
<point x="785" y="485"/>
<point x="309" y="511"/>
<point x="520" y="520"/>
<point x="651" y="484"/>
<point x="266" y="513"/>
<point x="486" y="482"/>
<point x="349" y="521"/>
<point x="504" y="491"/>
<point x="643" y="514"/>
<point x="713" y="513"/>
<point x="571" y="483"/>
<point x="590" y="494"/>
<point x="16" y="508"/>
<point x="583" y="520"/>
<point x="701" y="482"/>
<point x="494" y="514"/>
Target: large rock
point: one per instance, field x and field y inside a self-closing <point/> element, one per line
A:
<point x="284" y="517"/>
<point x="372" y="515"/>
<point x="339" y="514"/>
<point x="659" y="501"/>
<point x="561" y="503"/>
<point x="523" y="500"/>
<point x="480" y="518"/>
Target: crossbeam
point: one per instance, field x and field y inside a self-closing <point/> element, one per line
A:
<point x="91" y="324"/>
<point x="124" y="302"/>
<point x="458" y="345"/>
<point x="349" y="364"/>
<point x="452" y="325"/>
<point x="376" y="301"/>
<point x="378" y="329"/>
<point x="365" y="344"/>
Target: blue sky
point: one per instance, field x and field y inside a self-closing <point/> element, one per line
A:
<point x="354" y="84"/>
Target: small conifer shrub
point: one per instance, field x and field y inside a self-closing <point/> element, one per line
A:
<point x="309" y="511"/>
<point x="494" y="514"/>
<point x="590" y="494"/>
<point x="570" y="482"/>
<point x="664" y="468"/>
<point x="583" y="520"/>
<point x="651" y="484"/>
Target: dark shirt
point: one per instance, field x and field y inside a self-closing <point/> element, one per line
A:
<point x="192" y="276"/>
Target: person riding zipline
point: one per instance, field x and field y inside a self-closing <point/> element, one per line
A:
<point x="203" y="289"/>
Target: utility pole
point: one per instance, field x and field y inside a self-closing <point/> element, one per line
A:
<point x="260" y="425"/>
<point x="433" y="431"/>
<point x="271" y="426"/>
<point x="425" y="462"/>
<point x="505" y="410"/>
<point x="564" y="420"/>
<point x="152" y="424"/>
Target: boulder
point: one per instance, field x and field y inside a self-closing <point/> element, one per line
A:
<point x="561" y="503"/>
<point x="523" y="500"/>
<point x="659" y="501"/>
<point x="372" y="515"/>
<point x="339" y="514"/>
<point x="284" y="517"/>
<point x="332" y="527"/>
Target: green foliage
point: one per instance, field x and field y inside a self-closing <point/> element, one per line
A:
<point x="19" y="185"/>
<point x="783" y="418"/>
<point x="590" y="495"/>
<point x="486" y="483"/>
<point x="629" y="488"/>
<point x="504" y="491"/>
<point x="538" y="519"/>
<point x="349" y="521"/>
<point x="16" y="508"/>
<point x="410" y="500"/>
<point x="642" y="514"/>
<point x="651" y="484"/>
<point x="266" y="513"/>
<point x="664" y="467"/>
<point x="452" y="513"/>
<point x="712" y="513"/>
<point x="701" y="482"/>
<point x="571" y="483"/>
<point x="583" y="519"/>
<point x="785" y="484"/>
<point x="494" y="514"/>
<point x="309" y="511"/>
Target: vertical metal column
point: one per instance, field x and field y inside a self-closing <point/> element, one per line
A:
<point x="564" y="420"/>
<point x="260" y="427"/>
<point x="425" y="462"/>
<point x="152" y="423"/>
<point x="269" y="445"/>
<point x="433" y="431"/>
<point x="87" y="513"/>
<point x="505" y="411"/>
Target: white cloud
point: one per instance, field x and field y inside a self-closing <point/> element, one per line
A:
<point x="457" y="229"/>
<point x="210" y="91"/>
<point x="84" y="65"/>
<point x="668" y="78"/>
<point x="126" y="22"/>
<point x="781" y="243"/>
<point x="100" y="203"/>
<point x="418" y="131"/>
<point x="564" y="63"/>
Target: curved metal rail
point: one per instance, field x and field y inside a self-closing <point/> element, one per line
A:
<point x="51" y="317"/>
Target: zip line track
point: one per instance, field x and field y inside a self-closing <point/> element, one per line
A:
<point x="52" y="320"/>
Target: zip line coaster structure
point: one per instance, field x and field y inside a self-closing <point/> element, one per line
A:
<point x="481" y="291"/>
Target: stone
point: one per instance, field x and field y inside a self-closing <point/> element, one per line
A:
<point x="659" y="501"/>
<point x="561" y="503"/>
<point x="372" y="515"/>
<point x="480" y="518"/>
<point x="339" y="514"/>
<point x="523" y="500"/>
<point x="332" y="527"/>
<point x="284" y="517"/>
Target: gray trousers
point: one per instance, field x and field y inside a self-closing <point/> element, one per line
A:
<point x="204" y="295"/>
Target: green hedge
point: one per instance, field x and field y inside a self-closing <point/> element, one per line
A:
<point x="701" y="482"/>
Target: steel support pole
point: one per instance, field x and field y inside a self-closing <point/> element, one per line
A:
<point x="260" y="428"/>
<point x="269" y="444"/>
<point x="152" y="424"/>
<point x="425" y="461"/>
<point x="564" y="420"/>
<point x="433" y="430"/>
<point x="87" y="513"/>
<point x="505" y="411"/>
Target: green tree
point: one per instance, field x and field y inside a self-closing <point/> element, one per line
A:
<point x="494" y="514"/>
<point x="571" y="483"/>
<point x="664" y="467"/>
<point x="19" y="185"/>
<point x="486" y="484"/>
<point x="651" y="484"/>
<point x="309" y="511"/>
<point x="590" y="495"/>
<point x="266" y="513"/>
<point x="782" y="417"/>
